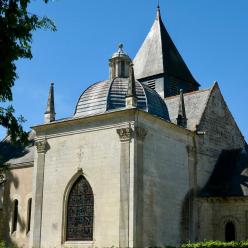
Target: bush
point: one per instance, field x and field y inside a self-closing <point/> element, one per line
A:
<point x="4" y="245"/>
<point x="217" y="244"/>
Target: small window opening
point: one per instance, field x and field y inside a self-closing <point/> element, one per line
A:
<point x="230" y="232"/>
<point x="15" y="216"/>
<point x="122" y="69"/>
<point x="29" y="214"/>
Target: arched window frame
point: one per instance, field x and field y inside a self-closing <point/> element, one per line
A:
<point x="222" y="226"/>
<point x="15" y="216"/>
<point x="234" y="229"/>
<point x="65" y="202"/>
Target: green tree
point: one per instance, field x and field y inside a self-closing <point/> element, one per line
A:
<point x="16" y="29"/>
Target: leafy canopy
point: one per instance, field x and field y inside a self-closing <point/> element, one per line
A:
<point x="16" y="27"/>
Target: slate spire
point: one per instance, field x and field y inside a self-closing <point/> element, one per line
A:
<point x="131" y="98"/>
<point x="159" y="57"/>
<point x="50" y="110"/>
<point x="181" y="118"/>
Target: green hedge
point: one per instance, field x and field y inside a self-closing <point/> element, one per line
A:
<point x="217" y="244"/>
<point x="4" y="245"/>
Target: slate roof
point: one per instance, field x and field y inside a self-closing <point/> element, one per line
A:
<point x="195" y="104"/>
<point x="159" y="55"/>
<point x="15" y="154"/>
<point x="110" y="95"/>
<point x="230" y="175"/>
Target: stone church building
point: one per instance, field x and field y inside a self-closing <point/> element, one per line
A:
<point x="147" y="159"/>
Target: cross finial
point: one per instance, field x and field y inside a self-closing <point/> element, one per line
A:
<point x="158" y="11"/>
<point x="120" y="48"/>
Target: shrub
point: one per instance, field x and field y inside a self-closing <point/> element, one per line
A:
<point x="4" y="245"/>
<point x="217" y="244"/>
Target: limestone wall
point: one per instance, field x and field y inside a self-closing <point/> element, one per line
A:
<point x="215" y="213"/>
<point x="97" y="153"/>
<point x="98" y="150"/>
<point x="166" y="182"/>
<point x="18" y="187"/>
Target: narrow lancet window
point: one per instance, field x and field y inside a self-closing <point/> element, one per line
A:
<point x="15" y="216"/>
<point x="80" y="211"/>
<point x="29" y="214"/>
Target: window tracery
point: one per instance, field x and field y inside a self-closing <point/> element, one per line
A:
<point x="80" y="211"/>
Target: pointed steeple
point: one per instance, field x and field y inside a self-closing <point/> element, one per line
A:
<point x="159" y="57"/>
<point x="131" y="98"/>
<point x="181" y="118"/>
<point x="50" y="110"/>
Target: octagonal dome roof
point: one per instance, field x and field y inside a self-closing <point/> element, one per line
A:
<point x="110" y="95"/>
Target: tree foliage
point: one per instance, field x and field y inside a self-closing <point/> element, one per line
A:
<point x="16" y="28"/>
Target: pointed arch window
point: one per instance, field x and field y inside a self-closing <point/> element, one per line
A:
<point x="80" y="211"/>
<point x="230" y="233"/>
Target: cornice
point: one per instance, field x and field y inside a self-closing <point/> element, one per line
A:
<point x="128" y="116"/>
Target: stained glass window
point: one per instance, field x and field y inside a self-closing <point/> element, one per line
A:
<point x="80" y="211"/>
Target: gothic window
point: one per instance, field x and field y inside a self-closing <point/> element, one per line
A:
<point x="80" y="211"/>
<point x="230" y="232"/>
<point x="15" y="216"/>
<point x="29" y="214"/>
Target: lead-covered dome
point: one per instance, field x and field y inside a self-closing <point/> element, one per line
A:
<point x="110" y="95"/>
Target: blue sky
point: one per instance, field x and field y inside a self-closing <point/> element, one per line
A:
<point x="212" y="37"/>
